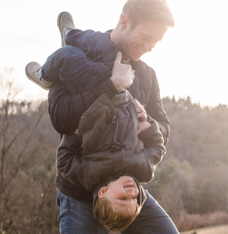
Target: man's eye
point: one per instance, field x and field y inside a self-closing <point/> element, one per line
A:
<point x="146" y="38"/>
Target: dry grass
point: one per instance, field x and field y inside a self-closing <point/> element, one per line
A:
<point x="203" y="224"/>
<point x="221" y="229"/>
<point x="191" y="221"/>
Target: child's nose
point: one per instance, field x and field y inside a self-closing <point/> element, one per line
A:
<point x="131" y="193"/>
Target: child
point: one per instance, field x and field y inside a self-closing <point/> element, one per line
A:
<point x="110" y="146"/>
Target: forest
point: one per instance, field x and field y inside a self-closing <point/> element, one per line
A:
<point x="191" y="183"/>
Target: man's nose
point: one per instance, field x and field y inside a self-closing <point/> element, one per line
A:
<point x="149" y="46"/>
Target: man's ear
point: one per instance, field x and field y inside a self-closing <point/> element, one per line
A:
<point x="124" y="22"/>
<point x="102" y="191"/>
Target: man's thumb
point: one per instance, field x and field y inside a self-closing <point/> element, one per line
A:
<point x="118" y="57"/>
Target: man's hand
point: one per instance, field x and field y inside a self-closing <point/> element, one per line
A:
<point x="122" y="74"/>
<point x="141" y="112"/>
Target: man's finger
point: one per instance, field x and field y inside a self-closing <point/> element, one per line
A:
<point x="118" y="57"/>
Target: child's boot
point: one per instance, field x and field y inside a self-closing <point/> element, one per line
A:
<point x="33" y="72"/>
<point x="65" y="22"/>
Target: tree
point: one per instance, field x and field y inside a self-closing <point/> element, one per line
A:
<point x="20" y="146"/>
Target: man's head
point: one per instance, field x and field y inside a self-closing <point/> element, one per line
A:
<point x="116" y="206"/>
<point x="141" y="25"/>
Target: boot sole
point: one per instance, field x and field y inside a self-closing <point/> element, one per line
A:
<point x="58" y="24"/>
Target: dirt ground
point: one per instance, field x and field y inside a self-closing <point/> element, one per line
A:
<point x="223" y="229"/>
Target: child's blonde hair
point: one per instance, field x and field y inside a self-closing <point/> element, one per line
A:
<point x="110" y="218"/>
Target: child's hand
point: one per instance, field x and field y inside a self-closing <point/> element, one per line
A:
<point x="142" y="126"/>
<point x="141" y="112"/>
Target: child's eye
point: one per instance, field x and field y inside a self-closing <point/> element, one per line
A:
<point x="123" y="198"/>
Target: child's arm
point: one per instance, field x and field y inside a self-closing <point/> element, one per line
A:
<point x="154" y="148"/>
<point x="151" y="137"/>
<point x="148" y="132"/>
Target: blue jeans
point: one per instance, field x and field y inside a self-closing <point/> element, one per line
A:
<point x="76" y="217"/>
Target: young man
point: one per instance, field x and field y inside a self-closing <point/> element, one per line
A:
<point x="142" y="24"/>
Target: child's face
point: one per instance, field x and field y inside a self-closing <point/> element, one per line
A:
<point x="122" y="193"/>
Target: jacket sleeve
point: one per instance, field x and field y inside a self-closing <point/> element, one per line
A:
<point x="69" y="162"/>
<point x="153" y="143"/>
<point x="156" y="111"/>
<point x="66" y="109"/>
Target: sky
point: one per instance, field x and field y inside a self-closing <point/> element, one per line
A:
<point x="191" y="60"/>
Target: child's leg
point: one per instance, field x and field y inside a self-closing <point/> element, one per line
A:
<point x="71" y="66"/>
<point x="81" y="66"/>
<point x="65" y="22"/>
<point x="33" y="70"/>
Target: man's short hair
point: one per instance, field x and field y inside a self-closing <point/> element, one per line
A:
<point x="140" y="11"/>
<point x="110" y="218"/>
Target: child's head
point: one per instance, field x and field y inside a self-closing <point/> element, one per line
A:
<point x="116" y="206"/>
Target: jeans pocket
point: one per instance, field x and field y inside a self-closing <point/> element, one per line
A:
<point x="62" y="202"/>
<point x="58" y="198"/>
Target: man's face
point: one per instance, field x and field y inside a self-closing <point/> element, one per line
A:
<point x="141" y="39"/>
<point x="122" y="193"/>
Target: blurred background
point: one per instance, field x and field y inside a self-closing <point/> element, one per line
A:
<point x="191" y="65"/>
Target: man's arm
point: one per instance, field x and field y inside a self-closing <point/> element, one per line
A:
<point x="69" y="162"/>
<point x="156" y="111"/>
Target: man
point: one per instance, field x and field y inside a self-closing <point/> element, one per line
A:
<point x="141" y="25"/>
